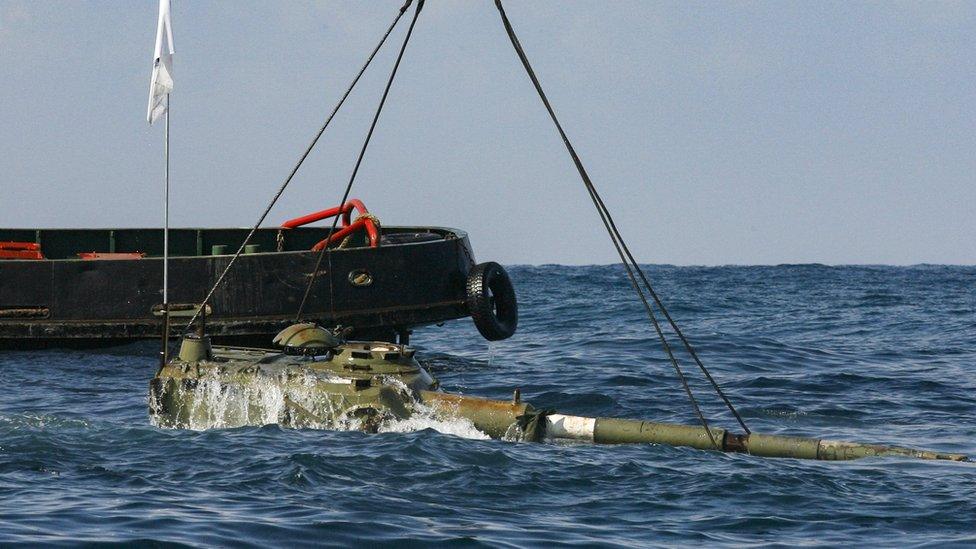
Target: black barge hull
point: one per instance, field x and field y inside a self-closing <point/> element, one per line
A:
<point x="416" y="277"/>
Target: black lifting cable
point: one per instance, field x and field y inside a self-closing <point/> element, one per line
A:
<point x="627" y="259"/>
<point x="352" y="178"/>
<point x="604" y="214"/>
<point x="294" y="170"/>
<point x="674" y="325"/>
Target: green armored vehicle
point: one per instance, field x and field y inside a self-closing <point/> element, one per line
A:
<point x="319" y="381"/>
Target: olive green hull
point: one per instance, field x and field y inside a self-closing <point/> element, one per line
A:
<point x="362" y="385"/>
<point x="369" y="385"/>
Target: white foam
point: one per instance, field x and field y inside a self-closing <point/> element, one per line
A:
<point x="423" y="418"/>
<point x="264" y="400"/>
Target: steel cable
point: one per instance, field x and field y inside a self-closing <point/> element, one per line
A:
<point x="352" y="178"/>
<point x="301" y="160"/>
<point x="626" y="258"/>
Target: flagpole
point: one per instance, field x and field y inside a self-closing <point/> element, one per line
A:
<point x="164" y="358"/>
<point x="166" y="214"/>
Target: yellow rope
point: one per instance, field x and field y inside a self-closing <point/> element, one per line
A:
<point x="348" y="240"/>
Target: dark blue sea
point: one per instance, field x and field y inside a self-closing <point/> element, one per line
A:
<point x="876" y="354"/>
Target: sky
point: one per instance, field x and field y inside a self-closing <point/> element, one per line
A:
<point x="717" y="132"/>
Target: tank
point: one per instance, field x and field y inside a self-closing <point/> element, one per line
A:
<point x="319" y="381"/>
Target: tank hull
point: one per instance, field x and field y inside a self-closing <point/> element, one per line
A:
<point x="366" y="383"/>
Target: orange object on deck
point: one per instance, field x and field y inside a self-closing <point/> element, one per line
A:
<point x="111" y="255"/>
<point x="20" y="250"/>
<point x="364" y="221"/>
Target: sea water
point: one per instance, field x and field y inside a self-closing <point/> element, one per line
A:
<point x="874" y="354"/>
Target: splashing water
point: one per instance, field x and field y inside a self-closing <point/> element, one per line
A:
<point x="424" y="418"/>
<point x="214" y="403"/>
<point x="266" y="399"/>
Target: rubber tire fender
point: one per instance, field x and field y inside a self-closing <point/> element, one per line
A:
<point x="491" y="301"/>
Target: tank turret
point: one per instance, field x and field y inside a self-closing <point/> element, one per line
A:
<point x="306" y="338"/>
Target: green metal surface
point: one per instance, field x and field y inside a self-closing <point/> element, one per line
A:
<point x="365" y="385"/>
<point x="361" y="382"/>
<point x="627" y="431"/>
<point x="837" y="450"/>
<point x="495" y="418"/>
<point x="195" y="349"/>
<point x="306" y="336"/>
<point x="779" y="446"/>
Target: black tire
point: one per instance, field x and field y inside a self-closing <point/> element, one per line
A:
<point x="491" y="301"/>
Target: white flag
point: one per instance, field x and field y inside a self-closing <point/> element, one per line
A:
<point x="162" y="74"/>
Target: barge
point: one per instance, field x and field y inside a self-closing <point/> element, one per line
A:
<point x="92" y="287"/>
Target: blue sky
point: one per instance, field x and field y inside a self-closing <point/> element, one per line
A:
<point x="718" y="132"/>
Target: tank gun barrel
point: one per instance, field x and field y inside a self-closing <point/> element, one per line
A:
<point x="622" y="431"/>
<point x="494" y="417"/>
